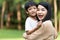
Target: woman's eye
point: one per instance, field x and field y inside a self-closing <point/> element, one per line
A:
<point x="43" y="9"/>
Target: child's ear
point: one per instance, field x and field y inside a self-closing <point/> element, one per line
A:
<point x="26" y="12"/>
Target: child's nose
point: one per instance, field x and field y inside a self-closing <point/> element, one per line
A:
<point x="33" y="9"/>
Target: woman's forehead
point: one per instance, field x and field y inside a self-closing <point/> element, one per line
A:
<point x="41" y="7"/>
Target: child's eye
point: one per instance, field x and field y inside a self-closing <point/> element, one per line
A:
<point x="34" y="8"/>
<point x="30" y="9"/>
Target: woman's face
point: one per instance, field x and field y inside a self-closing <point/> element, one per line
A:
<point x="41" y="12"/>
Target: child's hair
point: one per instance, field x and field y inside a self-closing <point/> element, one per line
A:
<point x="29" y="3"/>
<point x="49" y="11"/>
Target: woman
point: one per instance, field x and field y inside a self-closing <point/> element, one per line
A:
<point x="46" y="30"/>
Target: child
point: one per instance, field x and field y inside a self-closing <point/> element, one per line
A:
<point x="31" y="21"/>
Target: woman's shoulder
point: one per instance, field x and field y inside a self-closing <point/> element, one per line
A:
<point x="47" y="22"/>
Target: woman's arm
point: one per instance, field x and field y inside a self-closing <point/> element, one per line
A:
<point x="55" y="33"/>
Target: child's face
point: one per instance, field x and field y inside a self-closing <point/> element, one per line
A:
<point x="41" y="12"/>
<point x="32" y="11"/>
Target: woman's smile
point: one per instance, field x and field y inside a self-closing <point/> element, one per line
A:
<point x="40" y="16"/>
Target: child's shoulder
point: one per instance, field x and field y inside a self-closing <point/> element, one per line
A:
<point x="28" y="18"/>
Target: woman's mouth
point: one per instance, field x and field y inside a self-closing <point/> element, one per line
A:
<point x="40" y="16"/>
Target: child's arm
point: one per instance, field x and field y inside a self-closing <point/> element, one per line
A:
<point x="33" y="30"/>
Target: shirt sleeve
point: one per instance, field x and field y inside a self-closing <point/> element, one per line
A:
<point x="27" y="25"/>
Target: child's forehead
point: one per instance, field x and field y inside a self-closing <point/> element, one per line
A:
<point x="32" y="5"/>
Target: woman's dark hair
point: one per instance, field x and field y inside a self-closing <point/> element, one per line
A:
<point x="29" y="3"/>
<point x="48" y="7"/>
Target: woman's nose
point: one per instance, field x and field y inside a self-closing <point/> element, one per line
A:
<point x="39" y="12"/>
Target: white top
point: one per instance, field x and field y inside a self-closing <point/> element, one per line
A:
<point x="30" y="24"/>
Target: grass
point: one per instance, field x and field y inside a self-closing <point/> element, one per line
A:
<point x="58" y="36"/>
<point x="11" y="33"/>
<point x="14" y="34"/>
<point x="12" y="39"/>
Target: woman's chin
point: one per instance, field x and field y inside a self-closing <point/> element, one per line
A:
<point x="40" y="19"/>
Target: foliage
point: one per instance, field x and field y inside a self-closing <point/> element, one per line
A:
<point x="58" y="14"/>
<point x="12" y="8"/>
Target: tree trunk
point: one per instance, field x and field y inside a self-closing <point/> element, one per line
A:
<point x="49" y="1"/>
<point x="19" y="17"/>
<point x="59" y="25"/>
<point x="55" y="14"/>
<point x="3" y="9"/>
<point x="58" y="4"/>
<point x="8" y="20"/>
<point x="10" y="11"/>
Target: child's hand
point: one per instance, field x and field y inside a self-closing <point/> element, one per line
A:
<point x="25" y="35"/>
<point x="39" y="24"/>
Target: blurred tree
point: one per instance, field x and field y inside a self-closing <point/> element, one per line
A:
<point x="2" y="14"/>
<point x="58" y="4"/>
<point x="59" y="21"/>
<point x="54" y="5"/>
<point x="55" y="13"/>
<point x="12" y="5"/>
<point x="50" y="1"/>
<point x="19" y="15"/>
<point x="9" y="10"/>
